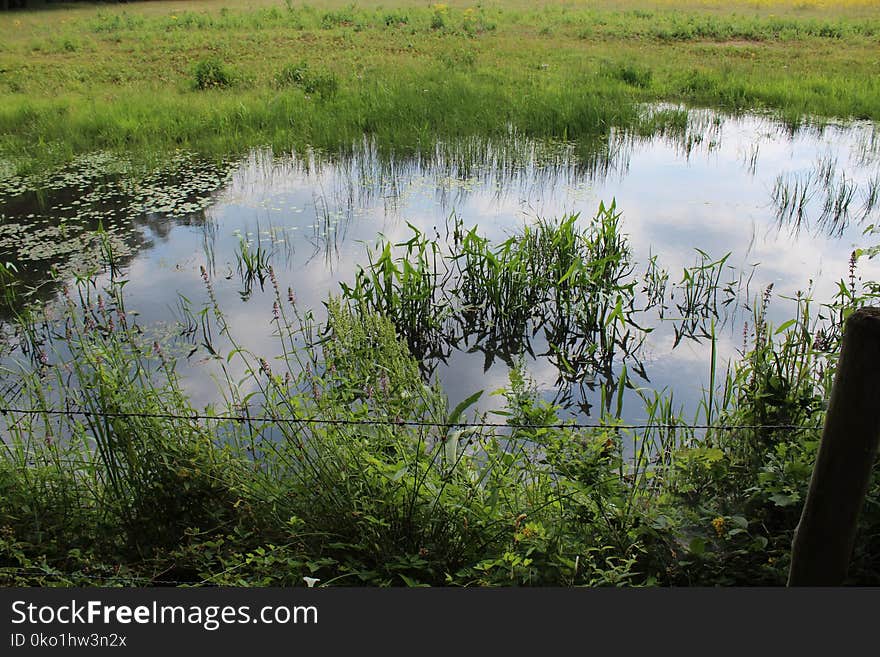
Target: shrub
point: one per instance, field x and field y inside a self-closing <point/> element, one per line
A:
<point x="211" y="74"/>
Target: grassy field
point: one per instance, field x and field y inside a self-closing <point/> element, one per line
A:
<point x="216" y="78"/>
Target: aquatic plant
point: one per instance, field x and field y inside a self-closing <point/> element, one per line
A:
<point x="252" y="262"/>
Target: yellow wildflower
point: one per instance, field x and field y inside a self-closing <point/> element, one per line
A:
<point x="718" y="524"/>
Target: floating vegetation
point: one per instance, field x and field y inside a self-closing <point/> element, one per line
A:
<point x="50" y="221"/>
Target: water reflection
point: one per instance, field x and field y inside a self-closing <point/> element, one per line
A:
<point x="713" y="212"/>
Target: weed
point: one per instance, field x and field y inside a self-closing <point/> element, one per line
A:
<point x="323" y="83"/>
<point x="630" y="74"/>
<point x="211" y="74"/>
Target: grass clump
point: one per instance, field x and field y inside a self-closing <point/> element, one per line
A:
<point x="630" y="74"/>
<point x="323" y="83"/>
<point x="211" y="73"/>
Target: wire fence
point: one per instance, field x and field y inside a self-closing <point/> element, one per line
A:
<point x="397" y="421"/>
<point x="98" y="579"/>
<point x="36" y="572"/>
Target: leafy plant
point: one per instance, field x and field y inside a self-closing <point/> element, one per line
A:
<point x="211" y="73"/>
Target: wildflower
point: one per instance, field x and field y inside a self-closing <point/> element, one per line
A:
<point x="719" y="525"/>
<point x="311" y="581"/>
<point x="273" y="279"/>
<point x="852" y="271"/>
<point x="276" y="311"/>
<point x="821" y="342"/>
<point x="291" y="297"/>
<point x="265" y="367"/>
<point x="423" y="552"/>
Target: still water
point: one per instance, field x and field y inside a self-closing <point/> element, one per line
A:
<point x="783" y="207"/>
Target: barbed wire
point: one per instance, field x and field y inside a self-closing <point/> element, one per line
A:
<point x="37" y="572"/>
<point x="394" y="421"/>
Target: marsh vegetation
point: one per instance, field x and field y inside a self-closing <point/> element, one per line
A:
<point x="460" y="305"/>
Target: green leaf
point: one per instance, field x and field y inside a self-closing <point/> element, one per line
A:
<point x="697" y="546"/>
<point x="781" y="499"/>
<point x="462" y="406"/>
<point x="397" y="475"/>
<point x="785" y="326"/>
<point x="739" y="522"/>
<point x="411" y="582"/>
<point x="451" y="447"/>
<point x="760" y="542"/>
<point x="574" y="267"/>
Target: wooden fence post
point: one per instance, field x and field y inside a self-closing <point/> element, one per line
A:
<point x="824" y="537"/>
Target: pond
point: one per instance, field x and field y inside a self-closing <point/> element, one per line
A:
<point x="743" y="203"/>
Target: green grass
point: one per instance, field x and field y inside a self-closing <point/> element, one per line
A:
<point x="159" y="76"/>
